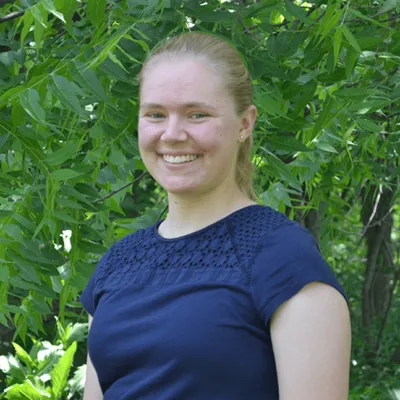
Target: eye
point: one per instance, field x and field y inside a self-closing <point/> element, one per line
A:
<point x="198" y="116"/>
<point x="155" y="115"/>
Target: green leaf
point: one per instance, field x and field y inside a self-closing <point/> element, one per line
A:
<point x="337" y="43"/>
<point x="141" y="43"/>
<point x="49" y="6"/>
<point x="5" y="213"/>
<point x="325" y="147"/>
<point x="21" y="284"/>
<point x="281" y="170"/>
<point x="324" y="118"/>
<point x="60" y="373"/>
<point x="4" y="322"/>
<point x="62" y="154"/>
<point x="28" y="21"/>
<point x="29" y="274"/>
<point x="116" y="60"/>
<point x="358" y="93"/>
<point x="350" y="61"/>
<point x="63" y="216"/>
<point x="208" y="14"/>
<point x="14" y="309"/>
<point x="69" y="203"/>
<point x="30" y="101"/>
<point x="88" y="247"/>
<point x="4" y="273"/>
<point x="66" y="92"/>
<point x="39" y="14"/>
<point x="268" y="104"/>
<point x="77" y="333"/>
<point x="351" y="39"/>
<point x="329" y="21"/>
<point x="77" y="382"/>
<point x="67" y="8"/>
<point x="116" y="156"/>
<point x="41" y="306"/>
<point x="24" y="222"/>
<point x="38" y="33"/>
<point x="65" y="174"/>
<point x="96" y="12"/>
<point x="26" y="391"/>
<point x="297" y="12"/>
<point x="87" y="78"/>
<point x="14" y="231"/>
<point x="114" y="205"/>
<point x="286" y="143"/>
<point x="363" y="107"/>
<point x="368" y="125"/>
<point x="113" y="69"/>
<point x="7" y="58"/>
<point x="23" y="355"/>
<point x="389" y="5"/>
<point x="281" y="193"/>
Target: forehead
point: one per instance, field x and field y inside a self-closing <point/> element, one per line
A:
<point x="170" y="81"/>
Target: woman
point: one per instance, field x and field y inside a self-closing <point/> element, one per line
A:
<point x="224" y="299"/>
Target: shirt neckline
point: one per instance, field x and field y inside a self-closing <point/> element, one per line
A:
<point x="202" y="230"/>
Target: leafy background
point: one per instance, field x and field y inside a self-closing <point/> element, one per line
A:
<point x="326" y="84"/>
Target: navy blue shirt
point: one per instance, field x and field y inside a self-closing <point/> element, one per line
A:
<point x="188" y="318"/>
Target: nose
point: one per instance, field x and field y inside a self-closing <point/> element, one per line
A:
<point x="174" y="130"/>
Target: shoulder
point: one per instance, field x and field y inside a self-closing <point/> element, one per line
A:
<point x="112" y="267"/>
<point x="259" y="229"/>
<point x="121" y="251"/>
<point x="258" y="220"/>
<point x="285" y="260"/>
<point x="290" y="253"/>
<point x="251" y="226"/>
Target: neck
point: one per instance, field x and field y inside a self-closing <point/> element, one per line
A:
<point x="188" y="213"/>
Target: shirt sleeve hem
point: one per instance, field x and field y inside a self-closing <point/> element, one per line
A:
<point x="292" y="290"/>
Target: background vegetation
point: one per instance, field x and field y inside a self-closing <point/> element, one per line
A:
<point x="326" y="79"/>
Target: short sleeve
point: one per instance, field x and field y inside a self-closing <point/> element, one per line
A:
<point x="289" y="260"/>
<point x="90" y="295"/>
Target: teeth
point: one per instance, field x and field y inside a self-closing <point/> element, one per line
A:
<point x="179" y="159"/>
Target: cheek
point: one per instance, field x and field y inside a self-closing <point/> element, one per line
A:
<point x="147" y="135"/>
<point x="218" y="137"/>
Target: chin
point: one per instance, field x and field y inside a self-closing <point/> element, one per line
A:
<point x="179" y="187"/>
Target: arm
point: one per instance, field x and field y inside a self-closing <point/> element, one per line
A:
<point x="311" y="338"/>
<point x="92" y="386"/>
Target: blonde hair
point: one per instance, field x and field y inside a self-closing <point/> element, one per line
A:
<point x="235" y="75"/>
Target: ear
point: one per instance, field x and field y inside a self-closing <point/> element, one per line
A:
<point x="247" y="121"/>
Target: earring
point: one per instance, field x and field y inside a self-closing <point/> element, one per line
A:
<point x="241" y="137"/>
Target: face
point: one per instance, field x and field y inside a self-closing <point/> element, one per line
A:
<point x="188" y="128"/>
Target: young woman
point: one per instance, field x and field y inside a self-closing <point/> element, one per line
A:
<point x="224" y="299"/>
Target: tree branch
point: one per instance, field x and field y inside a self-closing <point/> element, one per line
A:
<point x="121" y="188"/>
<point x="383" y="218"/>
<point x="246" y="29"/>
<point x="367" y="226"/>
<point x="12" y="16"/>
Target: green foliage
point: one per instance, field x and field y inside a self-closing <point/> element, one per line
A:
<point x="43" y="372"/>
<point x="326" y="84"/>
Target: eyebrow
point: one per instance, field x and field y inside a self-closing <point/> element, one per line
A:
<point x="185" y="105"/>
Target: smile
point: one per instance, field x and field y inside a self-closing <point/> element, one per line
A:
<point x="179" y="159"/>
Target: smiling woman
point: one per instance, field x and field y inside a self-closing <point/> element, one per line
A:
<point x="188" y="119"/>
<point x="225" y="298"/>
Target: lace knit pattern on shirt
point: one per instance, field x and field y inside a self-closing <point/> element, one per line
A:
<point x="221" y="252"/>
